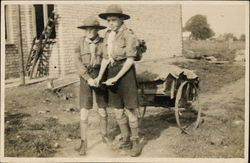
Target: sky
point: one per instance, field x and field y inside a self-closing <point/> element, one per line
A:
<point x="222" y="18"/>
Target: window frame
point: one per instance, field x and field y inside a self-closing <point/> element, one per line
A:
<point x="45" y="18"/>
<point x="7" y="25"/>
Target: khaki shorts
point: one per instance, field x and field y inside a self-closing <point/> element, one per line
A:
<point x="124" y="93"/>
<point x="86" y="93"/>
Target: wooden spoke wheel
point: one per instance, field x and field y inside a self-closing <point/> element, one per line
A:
<point x="141" y="113"/>
<point x="187" y="113"/>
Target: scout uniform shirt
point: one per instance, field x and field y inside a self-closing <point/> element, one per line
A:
<point x="117" y="47"/>
<point x="121" y="45"/>
<point x="88" y="55"/>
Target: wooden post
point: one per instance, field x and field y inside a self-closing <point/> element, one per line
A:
<point x="20" y="47"/>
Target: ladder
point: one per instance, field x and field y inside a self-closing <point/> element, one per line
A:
<point x="38" y="60"/>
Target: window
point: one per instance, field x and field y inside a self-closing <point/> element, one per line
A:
<point x="7" y="23"/>
<point x="50" y="9"/>
<point x="39" y="20"/>
<point x="42" y="13"/>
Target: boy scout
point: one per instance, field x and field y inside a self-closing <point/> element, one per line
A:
<point x="88" y="56"/>
<point x="119" y="51"/>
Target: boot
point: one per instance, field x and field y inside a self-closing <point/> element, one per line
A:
<point x="80" y="146"/>
<point x="125" y="144"/>
<point x="83" y="148"/>
<point x="103" y="128"/>
<point x="106" y="139"/>
<point x="136" y="149"/>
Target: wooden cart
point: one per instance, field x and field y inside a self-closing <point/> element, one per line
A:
<point x="169" y="86"/>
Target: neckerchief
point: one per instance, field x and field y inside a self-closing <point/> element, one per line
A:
<point x="111" y="37"/>
<point x="92" y="48"/>
<point x="110" y="40"/>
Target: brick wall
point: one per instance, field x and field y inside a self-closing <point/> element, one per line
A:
<point x="11" y="48"/>
<point x="158" y="25"/>
<point x="11" y="61"/>
<point x="11" y="51"/>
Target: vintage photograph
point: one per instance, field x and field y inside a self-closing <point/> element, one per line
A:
<point x="124" y="80"/>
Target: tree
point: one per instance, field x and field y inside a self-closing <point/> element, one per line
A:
<point x="229" y="36"/>
<point x="242" y="37"/>
<point x="199" y="28"/>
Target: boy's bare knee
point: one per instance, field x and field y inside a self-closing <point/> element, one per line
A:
<point x="132" y="116"/>
<point x="119" y="113"/>
<point x="84" y="114"/>
<point x="120" y="116"/>
<point x="102" y="112"/>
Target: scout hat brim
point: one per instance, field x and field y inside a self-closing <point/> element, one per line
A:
<point x="105" y="15"/>
<point x="91" y="22"/>
<point x="94" y="27"/>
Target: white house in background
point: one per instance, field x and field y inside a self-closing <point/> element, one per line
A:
<point x="186" y="35"/>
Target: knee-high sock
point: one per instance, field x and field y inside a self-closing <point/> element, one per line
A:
<point x="133" y="123"/>
<point x="122" y="122"/>
<point x="103" y="121"/>
<point x="84" y="123"/>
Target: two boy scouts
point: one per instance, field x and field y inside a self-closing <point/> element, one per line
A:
<point x="109" y="61"/>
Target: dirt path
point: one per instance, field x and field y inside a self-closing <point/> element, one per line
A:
<point x="166" y="139"/>
<point x="209" y="132"/>
<point x="95" y="149"/>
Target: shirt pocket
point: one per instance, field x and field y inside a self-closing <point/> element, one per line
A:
<point x="121" y="43"/>
<point x="120" y="47"/>
<point x="98" y="58"/>
<point x="85" y="58"/>
<point x="99" y="54"/>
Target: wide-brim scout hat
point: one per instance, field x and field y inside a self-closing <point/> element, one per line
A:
<point x="114" y="10"/>
<point x="91" y="22"/>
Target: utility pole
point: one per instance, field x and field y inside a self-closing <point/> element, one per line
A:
<point x="20" y="47"/>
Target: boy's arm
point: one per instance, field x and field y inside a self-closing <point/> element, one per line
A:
<point x="130" y="53"/>
<point x="126" y="66"/>
<point x="104" y="65"/>
<point x="80" y="68"/>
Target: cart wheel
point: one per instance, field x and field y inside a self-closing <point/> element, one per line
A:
<point x="179" y="108"/>
<point x="141" y="113"/>
<point x="198" y="109"/>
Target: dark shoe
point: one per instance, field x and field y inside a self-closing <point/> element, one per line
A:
<point x="78" y="148"/>
<point x="83" y="148"/>
<point x="105" y="139"/>
<point x="125" y="144"/>
<point x="136" y="149"/>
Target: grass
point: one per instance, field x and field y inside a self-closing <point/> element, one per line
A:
<point x="221" y="50"/>
<point x="231" y="135"/>
<point x="219" y="54"/>
<point x="27" y="139"/>
<point x="214" y="76"/>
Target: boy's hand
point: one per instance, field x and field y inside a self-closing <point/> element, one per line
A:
<point x="91" y="82"/>
<point x="97" y="82"/>
<point x="110" y="81"/>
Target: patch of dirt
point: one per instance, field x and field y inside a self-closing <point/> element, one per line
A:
<point x="218" y="136"/>
<point x="32" y="111"/>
